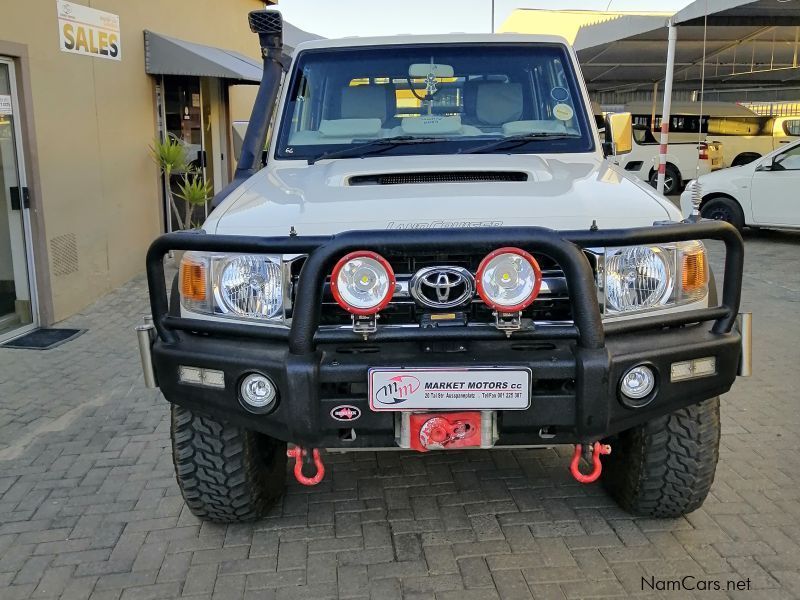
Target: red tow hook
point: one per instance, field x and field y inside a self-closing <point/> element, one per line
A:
<point x="595" y="452"/>
<point x="301" y="458"/>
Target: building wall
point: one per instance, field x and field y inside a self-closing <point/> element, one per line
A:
<point x="94" y="120"/>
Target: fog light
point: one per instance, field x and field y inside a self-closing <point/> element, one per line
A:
<point x="693" y="369"/>
<point x="190" y="375"/>
<point x="638" y="382"/>
<point x="258" y="391"/>
<point x="198" y="376"/>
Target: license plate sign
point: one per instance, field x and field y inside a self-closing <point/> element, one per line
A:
<point x="449" y="388"/>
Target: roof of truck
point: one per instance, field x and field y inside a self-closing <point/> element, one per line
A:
<point x="711" y="109"/>
<point x="447" y="38"/>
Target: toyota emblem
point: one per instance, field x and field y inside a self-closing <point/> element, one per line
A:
<point x="442" y="287"/>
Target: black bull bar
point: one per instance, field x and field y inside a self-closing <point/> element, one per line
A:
<point x="564" y="247"/>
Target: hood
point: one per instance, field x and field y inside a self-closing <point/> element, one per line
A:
<point x="559" y="192"/>
<point x="725" y="175"/>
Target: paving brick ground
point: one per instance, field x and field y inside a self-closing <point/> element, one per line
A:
<point x="89" y="507"/>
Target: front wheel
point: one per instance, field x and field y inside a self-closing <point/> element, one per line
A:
<point x="665" y="467"/>
<point x="724" y="209"/>
<point x="672" y="180"/>
<point x="226" y="474"/>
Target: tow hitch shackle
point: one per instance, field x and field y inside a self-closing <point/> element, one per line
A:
<point x="593" y="455"/>
<point x="302" y="457"/>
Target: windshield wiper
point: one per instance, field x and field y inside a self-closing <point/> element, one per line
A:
<point x="374" y="147"/>
<point x="518" y="140"/>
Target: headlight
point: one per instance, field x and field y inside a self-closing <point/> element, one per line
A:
<point x="243" y="286"/>
<point x="251" y="286"/>
<point x="641" y="278"/>
<point x="638" y="278"/>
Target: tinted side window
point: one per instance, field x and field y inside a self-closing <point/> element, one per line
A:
<point x="789" y="160"/>
<point x="792" y="127"/>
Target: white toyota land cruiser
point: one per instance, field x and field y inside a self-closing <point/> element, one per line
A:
<point x="437" y="255"/>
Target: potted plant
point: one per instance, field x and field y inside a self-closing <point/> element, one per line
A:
<point x="170" y="156"/>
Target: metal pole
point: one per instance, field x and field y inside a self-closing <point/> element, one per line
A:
<point x="655" y="101"/>
<point x="665" y="112"/>
<point x="492" y="16"/>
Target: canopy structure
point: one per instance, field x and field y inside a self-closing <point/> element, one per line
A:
<point x="745" y="43"/>
<point x="720" y="43"/>
<point x="166" y="55"/>
<point x="748" y="43"/>
<point x="170" y="56"/>
<point x="292" y="36"/>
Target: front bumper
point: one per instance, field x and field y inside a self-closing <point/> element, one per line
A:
<point x="575" y="391"/>
<point x="576" y="369"/>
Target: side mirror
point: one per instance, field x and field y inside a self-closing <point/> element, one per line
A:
<point x="619" y="134"/>
<point x="765" y="166"/>
<point x="770" y="165"/>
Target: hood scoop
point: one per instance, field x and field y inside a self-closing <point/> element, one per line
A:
<point x="438" y="177"/>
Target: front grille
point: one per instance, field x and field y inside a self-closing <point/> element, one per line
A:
<point x="438" y="177"/>
<point x="405" y="311"/>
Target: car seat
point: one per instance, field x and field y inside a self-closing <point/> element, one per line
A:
<point x="489" y="105"/>
<point x="369" y="102"/>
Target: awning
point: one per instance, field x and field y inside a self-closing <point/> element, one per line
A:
<point x="170" y="56"/>
<point x="748" y="43"/>
<point x="292" y="36"/>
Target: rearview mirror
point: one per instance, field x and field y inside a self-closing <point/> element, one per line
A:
<point x="422" y="70"/>
<point x="619" y="134"/>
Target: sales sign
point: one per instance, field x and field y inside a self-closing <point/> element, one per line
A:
<point x="90" y="32"/>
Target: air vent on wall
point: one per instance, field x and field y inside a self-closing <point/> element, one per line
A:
<point x="64" y="254"/>
<point x="438" y="177"/>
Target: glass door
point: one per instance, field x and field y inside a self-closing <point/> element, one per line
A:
<point x="17" y="299"/>
<point x="187" y="114"/>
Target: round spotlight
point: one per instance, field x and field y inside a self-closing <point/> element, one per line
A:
<point x="509" y="279"/>
<point x="363" y="283"/>
<point x="258" y="392"/>
<point x="637" y="384"/>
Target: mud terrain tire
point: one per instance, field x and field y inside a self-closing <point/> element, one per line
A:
<point x="226" y="474"/>
<point x="665" y="467"/>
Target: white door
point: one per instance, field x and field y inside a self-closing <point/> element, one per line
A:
<point x="774" y="194"/>
<point x="18" y="310"/>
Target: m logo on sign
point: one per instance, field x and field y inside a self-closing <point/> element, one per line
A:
<point x="398" y="390"/>
<point x="84" y="30"/>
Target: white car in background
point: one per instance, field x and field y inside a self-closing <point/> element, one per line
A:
<point x="763" y="193"/>
<point x="685" y="160"/>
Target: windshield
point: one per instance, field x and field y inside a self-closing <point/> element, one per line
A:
<point x="454" y="98"/>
